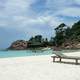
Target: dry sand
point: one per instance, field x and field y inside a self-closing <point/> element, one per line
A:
<point x="38" y="68"/>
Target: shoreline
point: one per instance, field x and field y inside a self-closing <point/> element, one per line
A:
<point x="38" y="68"/>
<point x="27" y="56"/>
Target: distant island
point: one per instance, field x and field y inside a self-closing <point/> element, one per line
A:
<point x="34" y="42"/>
<point x="66" y="37"/>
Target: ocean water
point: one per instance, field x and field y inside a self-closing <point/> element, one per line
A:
<point x="21" y="53"/>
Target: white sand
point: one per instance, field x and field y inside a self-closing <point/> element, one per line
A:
<point x="37" y="68"/>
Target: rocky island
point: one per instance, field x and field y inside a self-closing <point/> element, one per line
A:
<point x="66" y="37"/>
<point x="19" y="45"/>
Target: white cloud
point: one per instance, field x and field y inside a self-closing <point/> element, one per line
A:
<point x="17" y="7"/>
<point x="58" y="5"/>
<point x="72" y="12"/>
<point x="18" y="14"/>
<point x="3" y="23"/>
<point x="77" y="2"/>
<point x="14" y="12"/>
<point x="34" y="26"/>
<point x="41" y="20"/>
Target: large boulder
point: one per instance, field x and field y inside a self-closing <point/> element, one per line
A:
<point x="19" y="45"/>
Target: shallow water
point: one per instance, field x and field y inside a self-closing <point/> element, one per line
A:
<point x="21" y="53"/>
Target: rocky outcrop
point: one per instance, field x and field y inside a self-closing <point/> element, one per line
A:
<point x="19" y="45"/>
<point x="71" y="45"/>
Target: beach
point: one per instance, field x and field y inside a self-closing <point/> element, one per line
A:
<point x="38" y="68"/>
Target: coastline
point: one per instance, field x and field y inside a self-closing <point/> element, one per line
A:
<point x="38" y="68"/>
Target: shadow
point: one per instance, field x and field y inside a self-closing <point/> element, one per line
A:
<point x="63" y="62"/>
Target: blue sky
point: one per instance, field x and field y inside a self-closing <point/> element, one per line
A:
<point x="21" y="19"/>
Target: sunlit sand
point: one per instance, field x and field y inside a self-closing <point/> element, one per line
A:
<point x="38" y="68"/>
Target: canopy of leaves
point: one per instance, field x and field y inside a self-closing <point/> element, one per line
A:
<point x="71" y="34"/>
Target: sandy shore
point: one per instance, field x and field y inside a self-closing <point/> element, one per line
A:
<point x="38" y="68"/>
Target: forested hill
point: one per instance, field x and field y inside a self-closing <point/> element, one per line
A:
<point x="68" y="36"/>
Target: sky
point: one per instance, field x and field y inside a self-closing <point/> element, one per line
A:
<point x="22" y="19"/>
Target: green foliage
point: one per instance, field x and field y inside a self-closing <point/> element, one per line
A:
<point x="76" y="31"/>
<point x="64" y="33"/>
<point x="68" y="32"/>
<point x="60" y="34"/>
<point x="37" y="38"/>
<point x="39" y="41"/>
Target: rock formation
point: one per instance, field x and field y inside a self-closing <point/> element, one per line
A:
<point x="19" y="45"/>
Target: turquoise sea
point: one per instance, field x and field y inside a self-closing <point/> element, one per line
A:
<point x="21" y="53"/>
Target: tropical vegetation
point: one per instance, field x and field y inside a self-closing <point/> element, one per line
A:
<point x="65" y="36"/>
